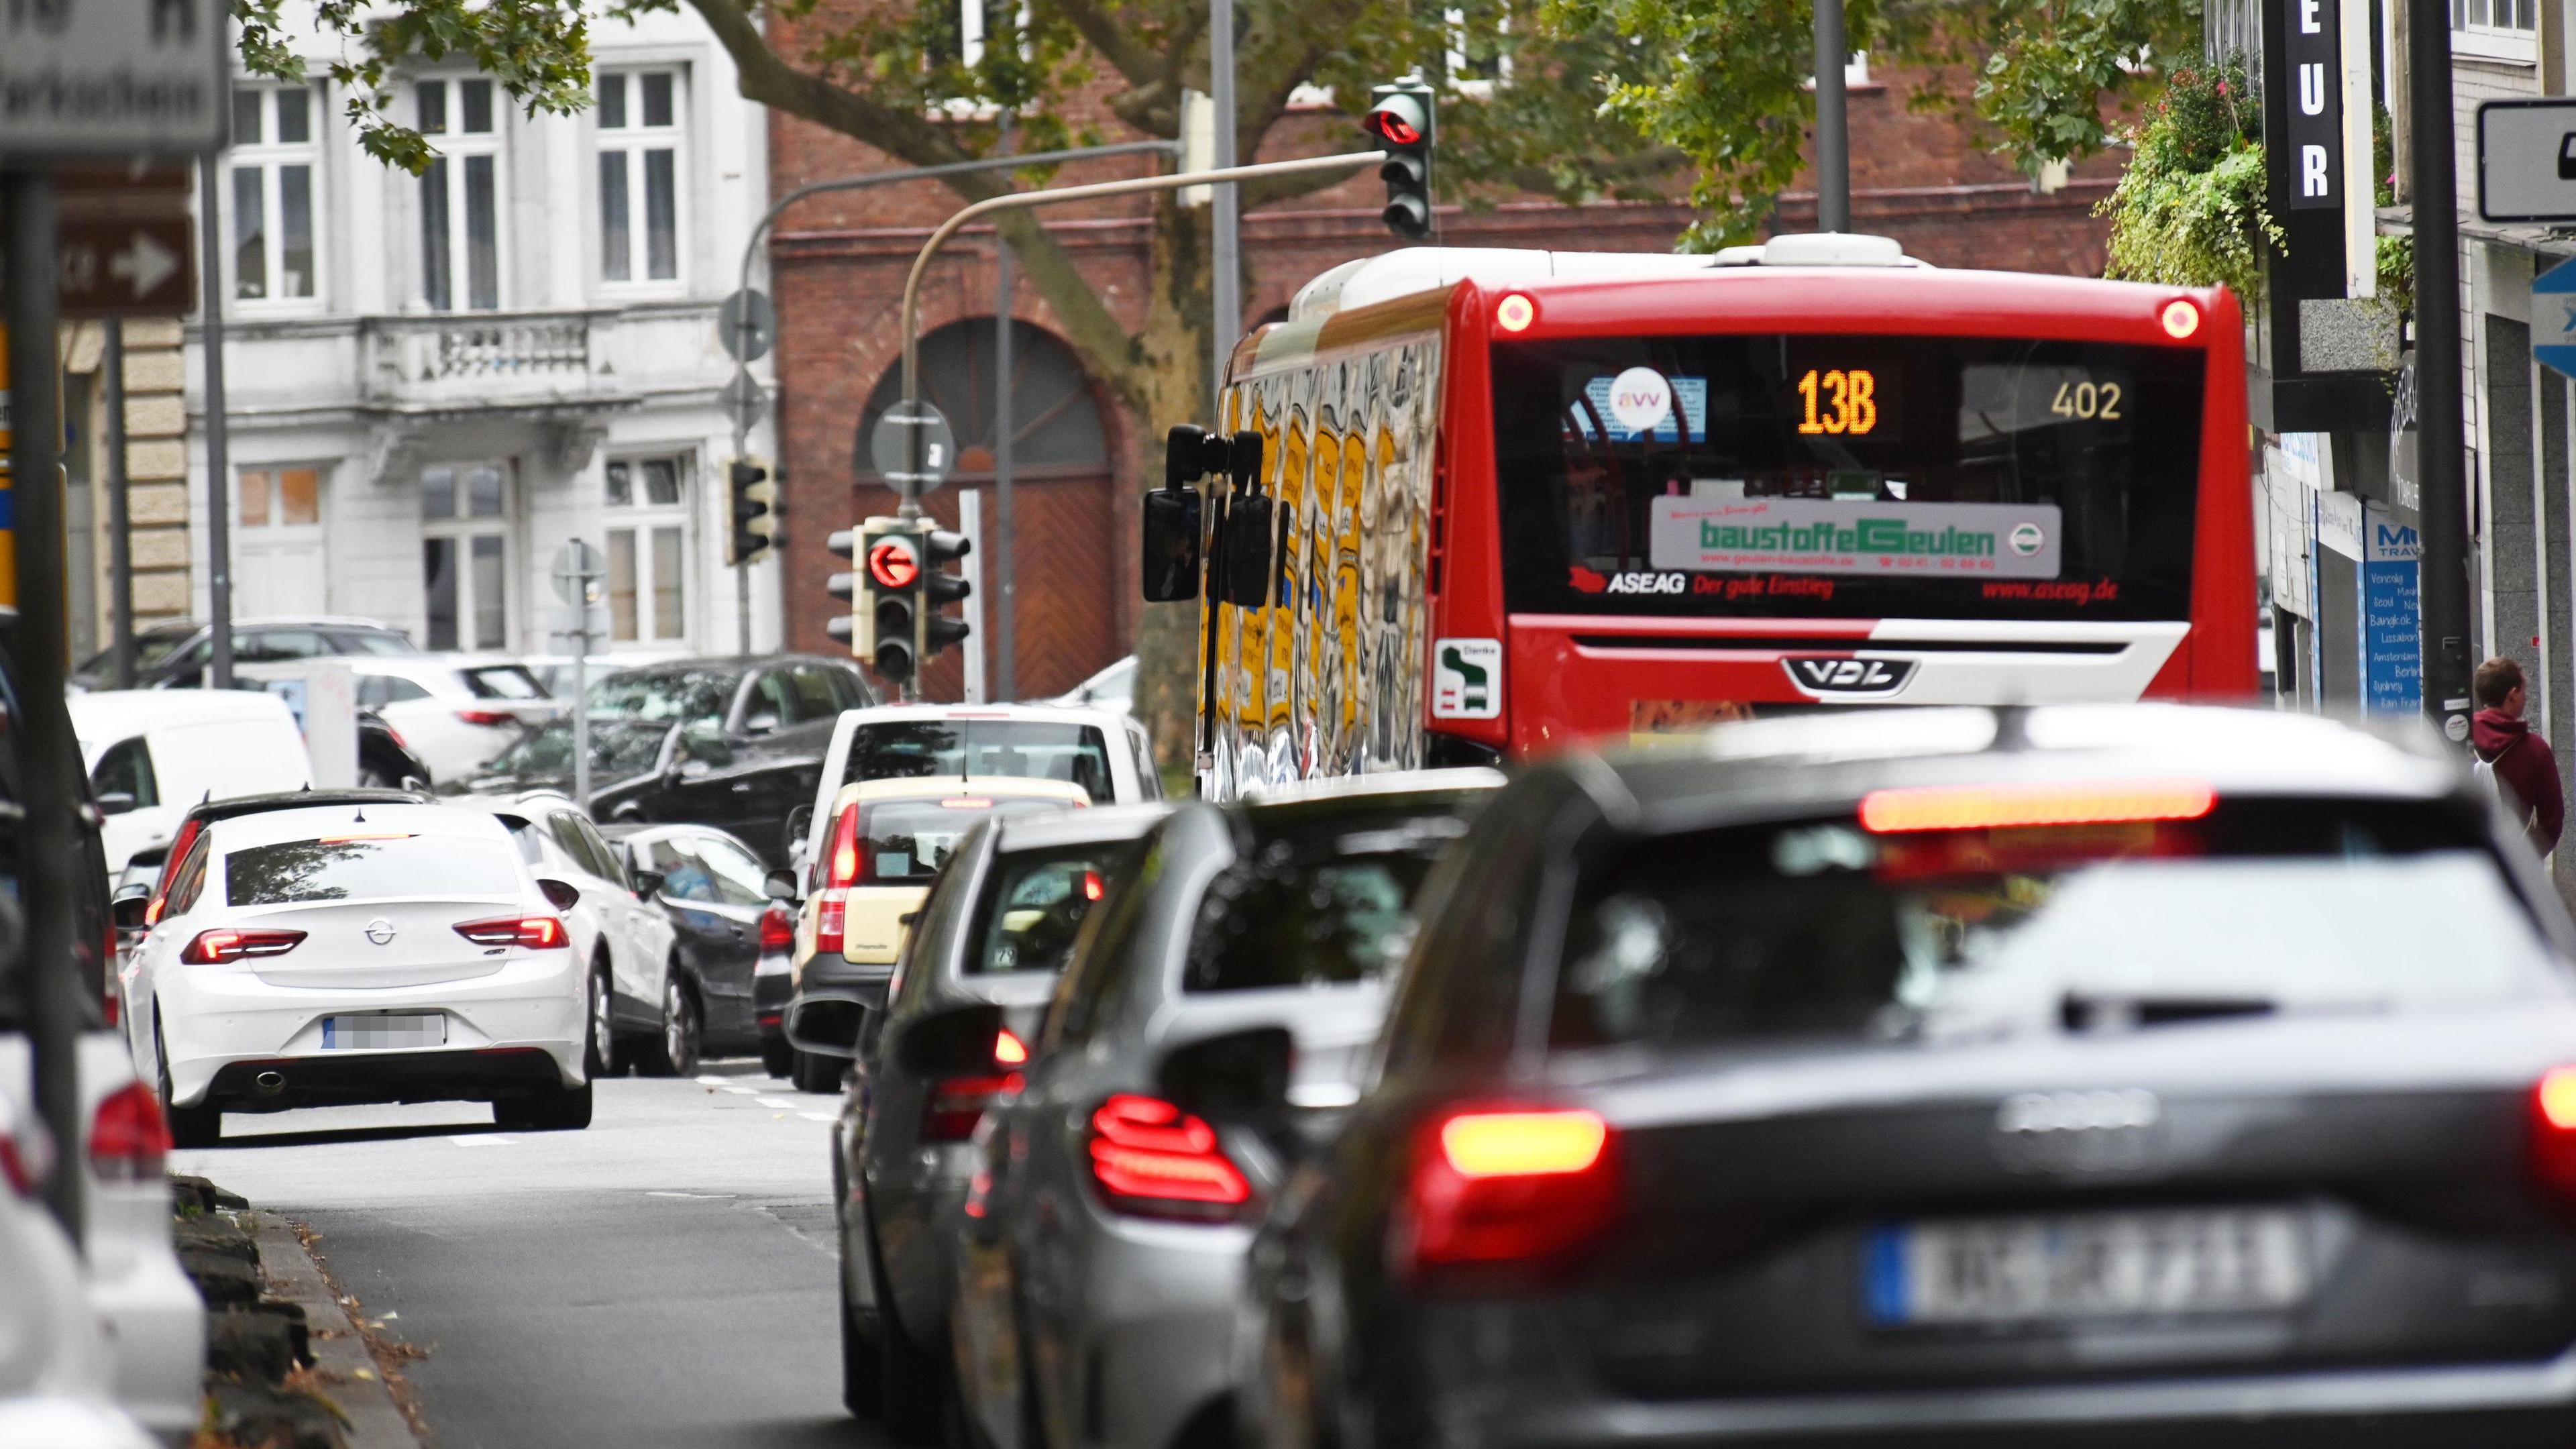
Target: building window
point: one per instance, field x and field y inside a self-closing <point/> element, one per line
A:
<point x="639" y="175"/>
<point x="1477" y="58"/>
<point x="280" y="498"/>
<point x="465" y="554"/>
<point x="460" y="195"/>
<point x="273" y="164"/>
<point x="2508" y="17"/>
<point x="648" y="550"/>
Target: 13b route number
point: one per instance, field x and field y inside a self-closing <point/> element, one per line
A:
<point x="1839" y="402"/>
<point x="2086" y="400"/>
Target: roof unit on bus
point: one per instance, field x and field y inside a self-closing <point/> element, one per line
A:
<point x="1408" y="270"/>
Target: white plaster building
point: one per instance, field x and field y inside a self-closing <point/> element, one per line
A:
<point x="433" y="382"/>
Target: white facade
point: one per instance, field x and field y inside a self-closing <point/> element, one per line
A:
<point x="434" y="382"/>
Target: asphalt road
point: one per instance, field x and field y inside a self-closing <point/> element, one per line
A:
<point x="662" y="1278"/>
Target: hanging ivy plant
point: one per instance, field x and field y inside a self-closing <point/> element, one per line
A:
<point x="2190" y="209"/>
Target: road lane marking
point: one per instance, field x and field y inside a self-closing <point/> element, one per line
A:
<point x="777" y="1102"/>
<point x="818" y="1116"/>
<point x="740" y="1091"/>
<point x="485" y="1139"/>
<point x="712" y="1081"/>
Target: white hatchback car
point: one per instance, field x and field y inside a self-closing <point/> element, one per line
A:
<point x="455" y="711"/>
<point x="344" y="954"/>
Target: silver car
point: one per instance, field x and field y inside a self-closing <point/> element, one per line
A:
<point x="980" y="965"/>
<point x="1101" y="1242"/>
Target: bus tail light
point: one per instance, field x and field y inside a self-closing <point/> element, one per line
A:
<point x="1152" y="1159"/>
<point x="1508" y="1187"/>
<point x="128" y="1139"/>
<point x="2181" y="319"/>
<point x="221" y="947"/>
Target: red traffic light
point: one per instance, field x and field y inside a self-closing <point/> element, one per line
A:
<point x="893" y="564"/>
<point x="1393" y="129"/>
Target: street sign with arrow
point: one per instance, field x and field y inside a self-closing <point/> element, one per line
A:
<point x="127" y="248"/>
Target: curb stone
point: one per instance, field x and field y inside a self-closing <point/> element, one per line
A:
<point x="340" y="1354"/>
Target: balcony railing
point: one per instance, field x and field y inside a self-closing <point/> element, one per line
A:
<point x="492" y="359"/>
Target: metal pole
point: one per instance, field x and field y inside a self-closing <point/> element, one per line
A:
<point x="1225" y="292"/>
<point x="120" y="524"/>
<point x="999" y="683"/>
<point x="51" y="761"/>
<point x="2440" y="435"/>
<point x="741" y="585"/>
<point x="581" y="699"/>
<point x="1833" y="135"/>
<point x="219" y="508"/>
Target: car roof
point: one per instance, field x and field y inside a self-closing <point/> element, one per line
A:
<point x="1048" y="829"/>
<point x="286" y="825"/>
<point x="916" y="787"/>
<point x="1043" y="713"/>
<point x="103" y="712"/>
<point x="1769" y="768"/>
<point x="240" y="805"/>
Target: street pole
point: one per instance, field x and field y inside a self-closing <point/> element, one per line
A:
<point x="219" y="508"/>
<point x="1225" y="291"/>
<point x="50" y="760"/>
<point x="2440" y="430"/>
<point x="999" y="685"/>
<point x="120" y="524"/>
<point x="1833" y="135"/>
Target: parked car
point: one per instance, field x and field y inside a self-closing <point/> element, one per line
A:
<point x="152" y="754"/>
<point x="887" y="842"/>
<point x="194" y="822"/>
<point x="374" y="953"/>
<point x="1107" y="754"/>
<point x="1112" y="689"/>
<point x="994" y="934"/>
<point x="175" y="653"/>
<point x="2135" y="1074"/>
<point x="730" y="940"/>
<point x="554" y="671"/>
<point x="1103" y="1239"/>
<point x="627" y="944"/>
<point x="385" y="758"/>
<point x="626" y="758"/>
<point x="455" y="711"/>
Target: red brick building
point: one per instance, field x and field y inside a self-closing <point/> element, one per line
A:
<point x="838" y="264"/>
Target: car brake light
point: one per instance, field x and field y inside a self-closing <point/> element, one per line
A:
<point x="128" y="1140"/>
<point x="1151" y="1158"/>
<point x="540" y="932"/>
<point x="1501" y="1186"/>
<point x="170" y="861"/>
<point x="23" y="1161"/>
<point x="1983" y="807"/>
<point x="2553" y="1130"/>
<point x="396" y="736"/>
<point x="777" y="929"/>
<point x="831" y="913"/>
<point x="1009" y="1050"/>
<point x="847" y="855"/>
<point x="957" y="1103"/>
<point x="492" y="717"/>
<point x="214" y="948"/>
<point x="1092" y="888"/>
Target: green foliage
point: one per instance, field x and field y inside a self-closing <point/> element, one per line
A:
<point x="1726" y="81"/>
<point x="2190" y="208"/>
<point x="538" y="50"/>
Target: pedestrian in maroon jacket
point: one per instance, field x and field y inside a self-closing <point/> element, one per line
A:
<point x="2521" y="759"/>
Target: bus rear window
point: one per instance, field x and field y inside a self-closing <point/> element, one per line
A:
<point x="1818" y="475"/>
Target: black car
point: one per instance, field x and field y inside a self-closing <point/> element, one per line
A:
<point x="733" y="743"/>
<point x="174" y="653"/>
<point x="385" y="758"/>
<point x="731" y="939"/>
<point x="2069" y="1076"/>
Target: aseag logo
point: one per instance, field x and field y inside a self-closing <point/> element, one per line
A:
<point x="1849" y="678"/>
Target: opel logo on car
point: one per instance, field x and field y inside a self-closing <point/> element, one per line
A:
<point x="2095" y="1131"/>
<point x="1825" y="674"/>
<point x="2026" y="1112"/>
<point x="380" y="931"/>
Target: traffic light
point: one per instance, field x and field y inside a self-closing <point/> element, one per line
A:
<point x="940" y="589"/>
<point x="844" y="543"/>
<point x="756" y="527"/>
<point x="1400" y="122"/>
<point x="888" y="616"/>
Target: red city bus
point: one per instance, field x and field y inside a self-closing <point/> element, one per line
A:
<point x="1521" y="499"/>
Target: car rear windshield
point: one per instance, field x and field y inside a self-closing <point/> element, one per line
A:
<point x="1326" y="903"/>
<point x="664" y="696"/>
<point x="363" y="866"/>
<point x="503" y="681"/>
<point x="909" y="840"/>
<point x="1037" y="901"/>
<point x="618" y="750"/>
<point x="1848" y="476"/>
<point x="1021" y="748"/>
<point x="1827" y="929"/>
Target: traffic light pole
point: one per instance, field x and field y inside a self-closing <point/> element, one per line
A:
<point x="1017" y="200"/>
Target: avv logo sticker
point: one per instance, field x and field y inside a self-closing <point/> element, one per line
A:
<point x="1848" y="678"/>
<point x="1466" y="679"/>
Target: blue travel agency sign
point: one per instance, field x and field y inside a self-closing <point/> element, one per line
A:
<point x="2392" y="628"/>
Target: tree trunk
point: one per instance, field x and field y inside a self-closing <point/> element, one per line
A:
<point x="1173" y="368"/>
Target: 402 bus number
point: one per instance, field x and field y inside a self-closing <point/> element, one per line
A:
<point x="2087" y="400"/>
<point x="1839" y="401"/>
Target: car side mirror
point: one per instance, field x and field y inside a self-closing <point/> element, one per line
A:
<point x="827" y="1026"/>
<point x="1241" y="1076"/>
<point x="115" y="802"/>
<point x="704" y="743"/>
<point x="762" y="723"/>
<point x="1171" y="546"/>
<point x="957" y="1042"/>
<point x="779" y="885"/>
<point x="132" y="908"/>
<point x="648" y="884"/>
<point x="562" y="896"/>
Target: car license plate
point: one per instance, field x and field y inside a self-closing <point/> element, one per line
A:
<point x="379" y="1033"/>
<point x="2094" y="1265"/>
